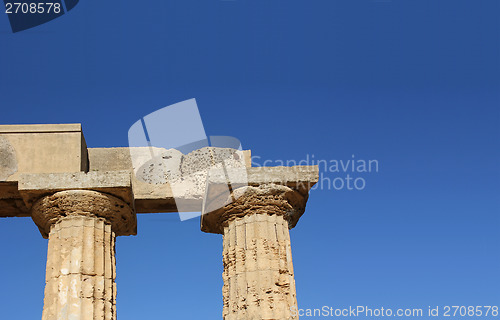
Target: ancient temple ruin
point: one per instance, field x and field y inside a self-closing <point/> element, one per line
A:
<point x="82" y="198"/>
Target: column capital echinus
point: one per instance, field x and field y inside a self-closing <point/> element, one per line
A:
<point x="266" y="199"/>
<point x="49" y="210"/>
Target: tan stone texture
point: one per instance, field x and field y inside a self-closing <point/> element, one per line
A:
<point x="80" y="275"/>
<point x="48" y="210"/>
<point x="82" y="198"/>
<point x="258" y="271"/>
<point x="265" y="199"/>
<point x="46" y="148"/>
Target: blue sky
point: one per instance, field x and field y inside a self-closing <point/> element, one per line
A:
<point x="412" y="84"/>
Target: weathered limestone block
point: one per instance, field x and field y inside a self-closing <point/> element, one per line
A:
<point x="258" y="272"/>
<point x="167" y="180"/>
<point x="47" y="148"/>
<point x="43" y="148"/>
<point x="8" y="159"/>
<point x="80" y="274"/>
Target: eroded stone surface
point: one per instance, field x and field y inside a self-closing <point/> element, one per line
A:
<point x="33" y="186"/>
<point x="254" y="213"/>
<point x="8" y="160"/>
<point x="269" y="199"/>
<point x="46" y="148"/>
<point x="161" y="168"/>
<point x="258" y="271"/>
<point x="167" y="180"/>
<point x="186" y="174"/>
<point x="48" y="210"/>
<point x="80" y="274"/>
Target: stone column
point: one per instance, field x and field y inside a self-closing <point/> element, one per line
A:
<point x="80" y="277"/>
<point x="258" y="272"/>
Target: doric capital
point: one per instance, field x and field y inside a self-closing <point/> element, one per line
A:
<point x="50" y="209"/>
<point x="268" y="199"/>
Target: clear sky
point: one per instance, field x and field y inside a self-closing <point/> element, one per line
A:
<point x="411" y="84"/>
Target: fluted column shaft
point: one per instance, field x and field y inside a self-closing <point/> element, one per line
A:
<point x="80" y="270"/>
<point x="258" y="271"/>
<point x="80" y="277"/>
